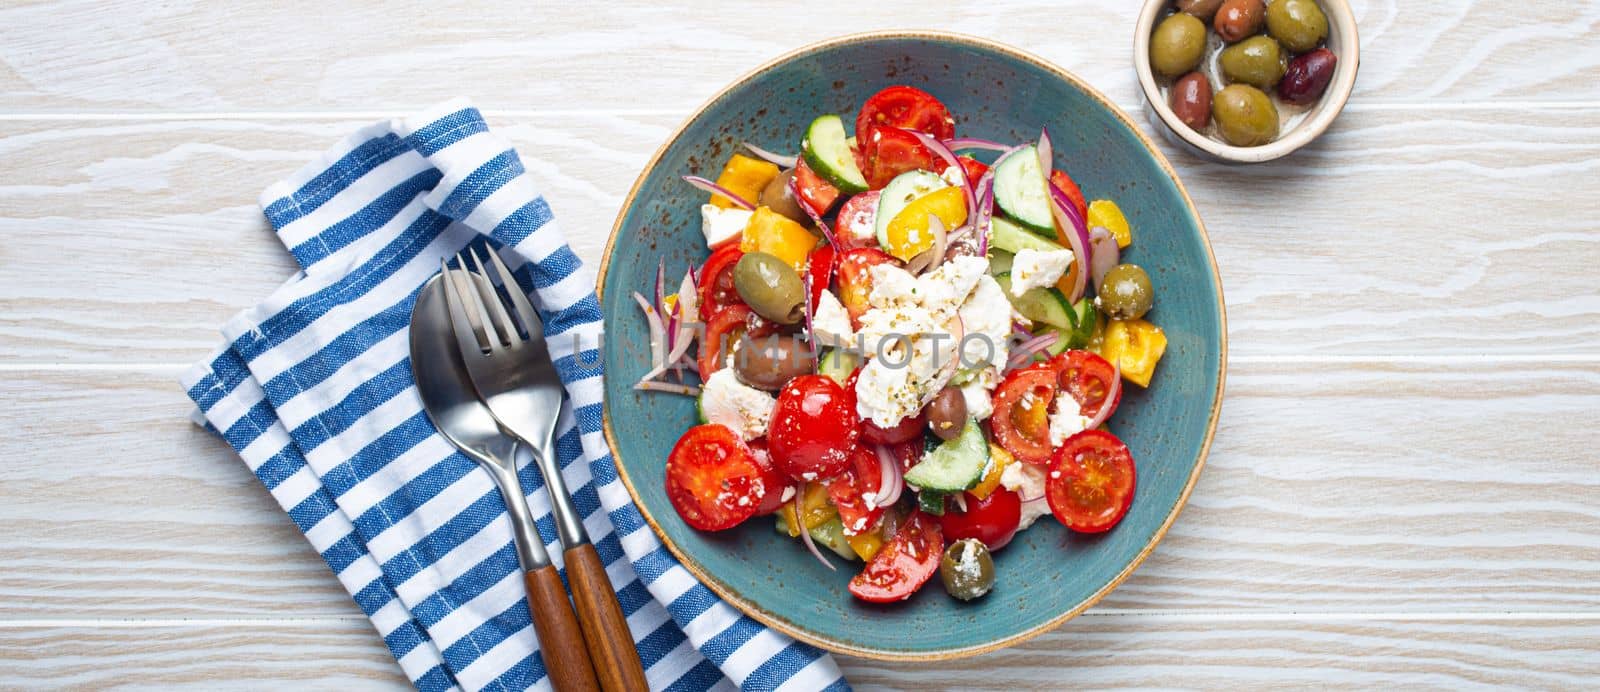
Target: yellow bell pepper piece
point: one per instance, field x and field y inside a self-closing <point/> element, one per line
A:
<point x="1137" y="346"/>
<point x="778" y="235"/>
<point x="999" y="458"/>
<point x="866" y="544"/>
<point x="817" y="509"/>
<point x="1106" y="214"/>
<point x="745" y="177"/>
<point x="908" y="233"/>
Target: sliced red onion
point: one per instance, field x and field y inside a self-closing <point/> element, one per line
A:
<point x="1026" y="350"/>
<point x="1077" y="237"/>
<point x="805" y="533"/>
<point x="917" y="264"/>
<point x="1031" y="500"/>
<point x="1021" y="331"/>
<point x="658" y="348"/>
<point x="975" y="143"/>
<point x="668" y="387"/>
<point x="893" y="482"/>
<point x="949" y="157"/>
<point x="716" y="189"/>
<point x="1047" y="154"/>
<point x="985" y="213"/>
<point x="941" y="240"/>
<point x="686" y="314"/>
<point x="1111" y="396"/>
<point x="779" y="159"/>
<point x="827" y="233"/>
<point x="810" y="309"/>
<point x="1103" y="252"/>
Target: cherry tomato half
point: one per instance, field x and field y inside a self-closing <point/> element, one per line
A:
<point x="1021" y="407"/>
<point x="856" y="224"/>
<point x="814" y="428"/>
<point x="904" y="564"/>
<point x="909" y="428"/>
<point x="712" y="479"/>
<point x="716" y="279"/>
<point x="909" y="453"/>
<point x="723" y="329"/>
<point x="1067" y="186"/>
<point x="814" y="192"/>
<point x="848" y="490"/>
<point x="889" y="152"/>
<point x="773" y="482"/>
<point x="819" y="271"/>
<point x="974" y="168"/>
<point x="855" y="279"/>
<point x="907" y="107"/>
<point x="1091" y="481"/>
<point x="992" y="520"/>
<point x="1088" y="378"/>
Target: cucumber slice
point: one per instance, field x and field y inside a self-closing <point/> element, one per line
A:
<point x="931" y="502"/>
<point x="955" y="465"/>
<point x="828" y="153"/>
<point x="1022" y="193"/>
<point x="1008" y="236"/>
<point x="1084" y="317"/>
<point x="903" y="190"/>
<point x="1063" y="339"/>
<point x="837" y="364"/>
<point x="1000" y="262"/>
<point x="1042" y="304"/>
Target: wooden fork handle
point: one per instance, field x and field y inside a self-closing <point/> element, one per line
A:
<point x="560" y="637"/>
<point x="605" y="629"/>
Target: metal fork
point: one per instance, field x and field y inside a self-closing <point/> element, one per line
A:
<point x="514" y="375"/>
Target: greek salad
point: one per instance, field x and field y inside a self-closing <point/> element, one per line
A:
<point x="907" y="345"/>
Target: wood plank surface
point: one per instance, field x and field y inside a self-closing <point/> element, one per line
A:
<point x="1399" y="233"/>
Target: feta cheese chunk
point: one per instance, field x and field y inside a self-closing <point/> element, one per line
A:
<point x="861" y="224"/>
<point x="1036" y="269"/>
<point x="1027" y="481"/>
<point x="1066" y="421"/>
<point x="831" y="323"/>
<point x="720" y="225"/>
<point x="979" y="404"/>
<point x="726" y="401"/>
<point x="986" y="312"/>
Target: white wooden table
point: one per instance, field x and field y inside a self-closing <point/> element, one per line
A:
<point x="1404" y="490"/>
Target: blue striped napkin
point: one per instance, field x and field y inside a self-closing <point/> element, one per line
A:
<point x="313" y="389"/>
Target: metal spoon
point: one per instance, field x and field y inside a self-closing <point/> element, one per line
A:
<point x="453" y="406"/>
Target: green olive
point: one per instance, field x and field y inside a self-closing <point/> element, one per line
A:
<point x="1298" y="24"/>
<point x="967" y="569"/>
<point x="1125" y="292"/>
<point x="770" y="287"/>
<point x="1257" y="61"/>
<point x="1245" y="116"/>
<point x="1177" y="45"/>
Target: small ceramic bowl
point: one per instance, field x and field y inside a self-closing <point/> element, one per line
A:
<point x="1046" y="575"/>
<point x="1342" y="40"/>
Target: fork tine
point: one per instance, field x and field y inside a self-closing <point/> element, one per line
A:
<point x="467" y="282"/>
<point x="519" y="301"/>
<point x="498" y="312"/>
<point x="468" y="339"/>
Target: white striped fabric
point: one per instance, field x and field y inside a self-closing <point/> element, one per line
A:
<point x="313" y="389"/>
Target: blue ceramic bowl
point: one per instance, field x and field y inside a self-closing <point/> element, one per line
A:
<point x="1046" y="575"/>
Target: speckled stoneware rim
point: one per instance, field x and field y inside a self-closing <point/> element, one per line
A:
<point x="777" y="621"/>
<point x="1344" y="41"/>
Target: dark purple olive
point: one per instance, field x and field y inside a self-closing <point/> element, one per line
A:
<point x="1308" y="77"/>
<point x="770" y="362"/>
<point x="1191" y="100"/>
<point x="947" y="413"/>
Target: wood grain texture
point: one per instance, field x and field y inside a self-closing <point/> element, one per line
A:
<point x="1383" y="222"/>
<point x="1375" y="488"/>
<point x="195" y="56"/>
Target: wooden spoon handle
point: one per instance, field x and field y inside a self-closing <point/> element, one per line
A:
<point x="605" y="629"/>
<point x="560" y="638"/>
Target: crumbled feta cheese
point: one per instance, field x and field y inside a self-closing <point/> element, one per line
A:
<point x="862" y="221"/>
<point x="831" y="324"/>
<point x="953" y="175"/>
<point x="967" y="566"/>
<point x="726" y="401"/>
<point x="1036" y="269"/>
<point x="986" y="312"/>
<point x="788" y="493"/>
<point x="1066" y="421"/>
<point x="1027" y="481"/>
<point x="892" y="287"/>
<point x="720" y="224"/>
<point x="976" y="393"/>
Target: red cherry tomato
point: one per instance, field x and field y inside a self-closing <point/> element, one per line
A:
<point x="716" y="279"/>
<point x="848" y="490"/>
<point x="814" y="192"/>
<point x="992" y="520"/>
<point x="907" y="107"/>
<point x="855" y="279"/>
<point x="1088" y="378"/>
<point x="974" y="168"/>
<point x="723" y="329"/>
<point x="1065" y="184"/>
<point x="890" y="152"/>
<point x="860" y="211"/>
<point x="904" y="564"/>
<point x="814" y="428"/>
<point x="712" y="479"/>
<point x="773" y="482"/>
<point x="908" y="453"/>
<point x="909" y="428"/>
<point x="1091" y="481"/>
<point x="1021" y="413"/>
<point x="819" y="271"/>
